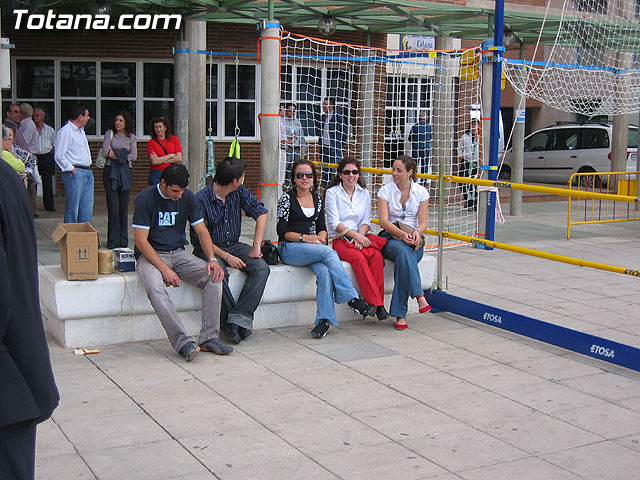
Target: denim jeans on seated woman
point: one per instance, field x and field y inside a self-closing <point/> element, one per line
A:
<point x="406" y="275"/>
<point x="333" y="282"/>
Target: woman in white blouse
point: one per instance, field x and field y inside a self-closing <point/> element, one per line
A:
<point x="348" y="207"/>
<point x="407" y="202"/>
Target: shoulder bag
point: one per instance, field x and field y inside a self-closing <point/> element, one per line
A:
<point x="101" y="159"/>
<point x="408" y="229"/>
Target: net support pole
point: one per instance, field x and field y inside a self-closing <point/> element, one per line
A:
<point x="519" y="110"/>
<point x="486" y="94"/>
<point x="196" y="32"/>
<point x="442" y="134"/>
<point x="495" y="115"/>
<point x="181" y="103"/>
<point x="269" y="129"/>
<point x="368" y="117"/>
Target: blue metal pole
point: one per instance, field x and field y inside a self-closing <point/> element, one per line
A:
<point x="495" y="115"/>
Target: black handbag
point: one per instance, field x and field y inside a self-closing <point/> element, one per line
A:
<point x="270" y="253"/>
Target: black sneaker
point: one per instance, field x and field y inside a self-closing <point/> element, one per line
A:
<point x="362" y="307"/>
<point x="321" y="329"/>
<point x="234" y="333"/>
<point x="189" y="351"/>
<point x="245" y="332"/>
<point x="382" y="313"/>
<point x="215" y="346"/>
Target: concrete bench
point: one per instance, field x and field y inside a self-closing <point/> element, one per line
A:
<point x="115" y="308"/>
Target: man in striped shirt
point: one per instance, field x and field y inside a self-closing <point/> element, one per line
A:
<point x="222" y="204"/>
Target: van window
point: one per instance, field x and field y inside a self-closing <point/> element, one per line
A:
<point x="565" y="139"/>
<point x="595" y="138"/>
<point x="633" y="138"/>
<point x="537" y="142"/>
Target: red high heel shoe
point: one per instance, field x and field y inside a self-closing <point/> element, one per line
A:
<point x="424" y="309"/>
<point x="401" y="326"/>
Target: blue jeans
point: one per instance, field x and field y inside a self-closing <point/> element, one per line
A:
<point x="78" y="189"/>
<point x="406" y="276"/>
<point x="332" y="281"/>
<point x="154" y="177"/>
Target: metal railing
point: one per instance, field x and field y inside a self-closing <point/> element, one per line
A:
<point x="618" y="208"/>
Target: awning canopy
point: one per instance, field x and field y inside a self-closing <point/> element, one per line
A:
<point x="474" y="20"/>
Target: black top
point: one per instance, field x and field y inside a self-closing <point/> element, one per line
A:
<point x="291" y="218"/>
<point x="165" y="219"/>
<point x="29" y="391"/>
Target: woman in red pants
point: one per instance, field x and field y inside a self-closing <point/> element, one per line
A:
<point x="348" y="206"/>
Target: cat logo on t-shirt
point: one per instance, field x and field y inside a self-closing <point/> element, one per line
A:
<point x="167" y="219"/>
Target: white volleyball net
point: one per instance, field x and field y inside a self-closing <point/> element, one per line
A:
<point x="386" y="102"/>
<point x="593" y="67"/>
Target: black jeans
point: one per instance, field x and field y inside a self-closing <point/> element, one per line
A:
<point x="469" y="191"/>
<point x="118" y="212"/>
<point x="47" y="168"/>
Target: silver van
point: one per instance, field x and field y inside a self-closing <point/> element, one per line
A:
<point x="553" y="154"/>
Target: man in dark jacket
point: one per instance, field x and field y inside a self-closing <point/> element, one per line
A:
<point x="334" y="132"/>
<point x="29" y="393"/>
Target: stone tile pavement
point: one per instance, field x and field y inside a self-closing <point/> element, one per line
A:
<point x="446" y="399"/>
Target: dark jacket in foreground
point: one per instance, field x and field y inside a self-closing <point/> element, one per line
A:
<point x="28" y="391"/>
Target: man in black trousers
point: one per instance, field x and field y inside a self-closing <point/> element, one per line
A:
<point x="28" y="390"/>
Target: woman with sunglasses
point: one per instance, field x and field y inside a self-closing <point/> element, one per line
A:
<point x="302" y="235"/>
<point x="404" y="202"/>
<point x="349" y="220"/>
<point x="163" y="149"/>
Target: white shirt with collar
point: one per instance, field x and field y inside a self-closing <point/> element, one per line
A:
<point x="46" y="139"/>
<point x="72" y="148"/>
<point x="409" y="212"/>
<point x="352" y="213"/>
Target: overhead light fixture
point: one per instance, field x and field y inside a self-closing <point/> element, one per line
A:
<point x="510" y="39"/>
<point x="327" y="25"/>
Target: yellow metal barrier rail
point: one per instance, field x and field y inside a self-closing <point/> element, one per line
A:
<point x="532" y="188"/>
<point x="514" y="186"/>
<point x="537" y="253"/>
<point x="602" y="210"/>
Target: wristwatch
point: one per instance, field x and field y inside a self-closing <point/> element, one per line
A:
<point x="301" y="237"/>
<point x="211" y="259"/>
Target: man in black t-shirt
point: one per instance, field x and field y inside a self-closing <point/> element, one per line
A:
<point x="159" y="221"/>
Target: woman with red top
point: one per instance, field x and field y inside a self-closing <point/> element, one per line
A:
<point x="163" y="149"/>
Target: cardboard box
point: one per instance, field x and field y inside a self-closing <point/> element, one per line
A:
<point x="78" y="250"/>
<point x="125" y="261"/>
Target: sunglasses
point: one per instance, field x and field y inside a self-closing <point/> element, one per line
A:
<point x="300" y="175"/>
<point x="351" y="172"/>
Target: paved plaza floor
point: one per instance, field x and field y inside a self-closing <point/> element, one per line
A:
<point x="446" y="399"/>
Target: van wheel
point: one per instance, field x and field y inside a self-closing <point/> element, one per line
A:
<point x="505" y="173"/>
<point x="589" y="181"/>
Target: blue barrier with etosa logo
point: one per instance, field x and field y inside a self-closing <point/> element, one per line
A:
<point x="584" y="343"/>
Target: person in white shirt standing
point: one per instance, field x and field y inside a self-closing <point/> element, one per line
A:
<point x="469" y="153"/>
<point x="73" y="156"/>
<point x="46" y="163"/>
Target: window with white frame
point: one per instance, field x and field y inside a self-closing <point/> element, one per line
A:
<point x="144" y="88"/>
<point x="232" y="100"/>
<point x="407" y="96"/>
<point x="307" y="87"/>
